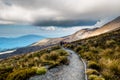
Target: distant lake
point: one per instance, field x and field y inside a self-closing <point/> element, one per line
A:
<point x="13" y="36"/>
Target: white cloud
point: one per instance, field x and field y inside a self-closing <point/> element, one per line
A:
<point x="104" y="21"/>
<point x="30" y="11"/>
<point x="6" y="22"/>
<point x="77" y="28"/>
<point x="50" y="28"/>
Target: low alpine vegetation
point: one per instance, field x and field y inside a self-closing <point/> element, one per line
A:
<point x="102" y="55"/>
<point x="22" y="67"/>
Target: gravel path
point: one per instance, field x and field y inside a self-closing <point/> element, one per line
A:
<point x="73" y="71"/>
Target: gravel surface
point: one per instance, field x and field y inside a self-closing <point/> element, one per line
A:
<point x="73" y="71"/>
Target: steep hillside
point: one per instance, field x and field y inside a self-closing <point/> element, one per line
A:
<point x="102" y="54"/>
<point x="113" y="25"/>
<point x="85" y="33"/>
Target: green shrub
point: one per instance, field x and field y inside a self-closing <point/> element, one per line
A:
<point x="93" y="65"/>
<point x="62" y="52"/>
<point x="4" y="75"/>
<point x="41" y="70"/>
<point x="95" y="77"/>
<point x="55" y="47"/>
<point x="69" y="46"/>
<point x="78" y="48"/>
<point x="63" y="60"/>
<point x="92" y="71"/>
<point x="37" y="54"/>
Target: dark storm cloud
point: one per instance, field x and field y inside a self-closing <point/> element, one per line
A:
<point x="57" y="12"/>
<point x="67" y="23"/>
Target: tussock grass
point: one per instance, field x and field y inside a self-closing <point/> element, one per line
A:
<point x="91" y="72"/>
<point x="102" y="54"/>
<point x="24" y="66"/>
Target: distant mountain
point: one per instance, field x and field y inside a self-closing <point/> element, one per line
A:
<point x="9" y="43"/>
<point x="21" y="37"/>
<point x="81" y="34"/>
<point x="84" y="33"/>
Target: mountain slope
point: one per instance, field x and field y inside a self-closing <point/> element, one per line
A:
<point x="115" y="24"/>
<point x="82" y="34"/>
<point x="101" y="53"/>
<point x="85" y="33"/>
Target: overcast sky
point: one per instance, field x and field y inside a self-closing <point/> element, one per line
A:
<point x="58" y="12"/>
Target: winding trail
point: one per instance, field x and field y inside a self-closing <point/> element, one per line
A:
<point x="74" y="71"/>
